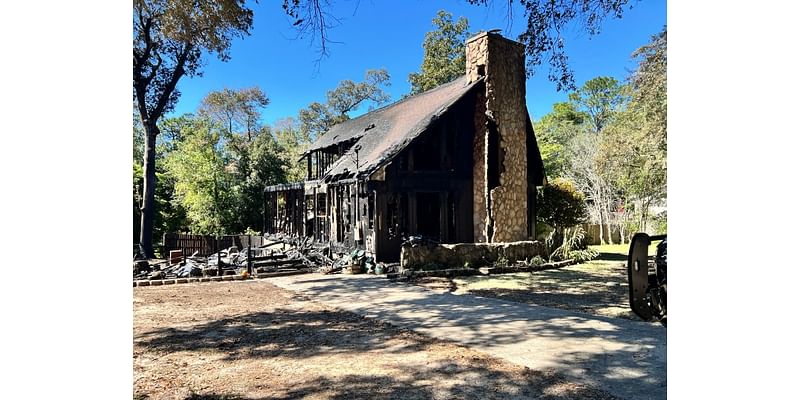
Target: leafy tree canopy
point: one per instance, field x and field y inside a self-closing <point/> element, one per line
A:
<point x="317" y="118"/>
<point x="169" y="37"/>
<point x="237" y="110"/>
<point x="293" y="143"/>
<point x="554" y="132"/>
<point x="201" y="185"/>
<point x="633" y="151"/>
<point x="444" y="58"/>
<point x="561" y="204"/>
<point x="600" y="98"/>
<point x="547" y="23"/>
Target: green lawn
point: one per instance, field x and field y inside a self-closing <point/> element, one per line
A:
<point x="619" y="252"/>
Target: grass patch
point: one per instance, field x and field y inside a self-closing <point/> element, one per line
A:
<point x="619" y="252"/>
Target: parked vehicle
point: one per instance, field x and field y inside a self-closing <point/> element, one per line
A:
<point x="647" y="280"/>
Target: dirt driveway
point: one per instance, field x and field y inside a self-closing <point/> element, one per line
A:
<point x="232" y="340"/>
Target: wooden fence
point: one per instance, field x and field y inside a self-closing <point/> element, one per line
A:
<point x="593" y="233"/>
<point x="206" y="245"/>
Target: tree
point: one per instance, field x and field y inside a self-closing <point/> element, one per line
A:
<point x="238" y="110"/>
<point x="237" y="113"/>
<point x="317" y="118"/>
<point x="548" y="20"/>
<point x="169" y="38"/>
<point x="444" y="53"/>
<point x="561" y="204"/>
<point x="649" y="83"/>
<point x="554" y="132"/>
<point x="601" y="98"/>
<point x="265" y="166"/>
<point x="169" y="216"/>
<point x="589" y="179"/>
<point x="292" y="143"/>
<point x="202" y="186"/>
<point x="634" y="146"/>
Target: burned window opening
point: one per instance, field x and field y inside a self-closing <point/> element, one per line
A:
<point x="428" y="211"/>
<point x="451" y="217"/>
<point x="371" y="210"/>
<point x="393" y="216"/>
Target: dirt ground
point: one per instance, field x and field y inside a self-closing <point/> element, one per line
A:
<point x="251" y="339"/>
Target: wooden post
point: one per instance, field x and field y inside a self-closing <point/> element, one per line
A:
<point x="219" y="260"/>
<point x="249" y="263"/>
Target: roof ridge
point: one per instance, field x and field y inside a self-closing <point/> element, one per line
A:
<point x="313" y="146"/>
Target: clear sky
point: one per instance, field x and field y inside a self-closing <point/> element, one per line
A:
<point x="389" y="34"/>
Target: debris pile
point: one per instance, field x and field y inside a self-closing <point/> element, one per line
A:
<point x="280" y="254"/>
<point x="277" y="255"/>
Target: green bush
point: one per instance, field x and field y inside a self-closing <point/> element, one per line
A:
<point x="583" y="255"/>
<point x="535" y="261"/>
<point x="572" y="243"/>
<point x="561" y="204"/>
<point x="660" y="223"/>
<point x="501" y="262"/>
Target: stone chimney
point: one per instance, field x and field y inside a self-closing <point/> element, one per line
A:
<point x="499" y="151"/>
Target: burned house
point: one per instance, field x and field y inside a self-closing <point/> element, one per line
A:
<point x="458" y="163"/>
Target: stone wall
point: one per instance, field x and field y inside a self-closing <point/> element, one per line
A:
<point x="502" y="62"/>
<point x="480" y="215"/>
<point x="474" y="255"/>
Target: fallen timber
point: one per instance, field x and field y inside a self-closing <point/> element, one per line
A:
<point x="277" y="255"/>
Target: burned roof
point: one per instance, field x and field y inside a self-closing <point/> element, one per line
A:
<point x="383" y="133"/>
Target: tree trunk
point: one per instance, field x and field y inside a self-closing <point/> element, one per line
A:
<point x="148" y="192"/>
<point x="600" y="224"/>
<point x="645" y="211"/>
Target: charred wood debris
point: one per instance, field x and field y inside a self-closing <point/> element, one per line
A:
<point x="280" y="254"/>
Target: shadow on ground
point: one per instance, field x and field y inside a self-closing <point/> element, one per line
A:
<point x="477" y="382"/>
<point x="281" y="332"/>
<point x="631" y="359"/>
<point x="612" y="257"/>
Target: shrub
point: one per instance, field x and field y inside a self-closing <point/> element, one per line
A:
<point x="501" y="262"/>
<point x="561" y="204"/>
<point x="660" y="223"/>
<point x="573" y="241"/>
<point x="535" y="261"/>
<point x="583" y="255"/>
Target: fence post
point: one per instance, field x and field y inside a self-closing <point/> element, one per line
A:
<point x="219" y="260"/>
<point x="249" y="263"/>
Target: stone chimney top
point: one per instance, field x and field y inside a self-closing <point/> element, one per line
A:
<point x="486" y="47"/>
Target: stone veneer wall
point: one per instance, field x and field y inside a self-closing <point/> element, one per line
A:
<point x="472" y="255"/>
<point x="503" y="63"/>
<point x="479" y="190"/>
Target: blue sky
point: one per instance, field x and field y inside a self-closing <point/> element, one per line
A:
<point x="389" y="34"/>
